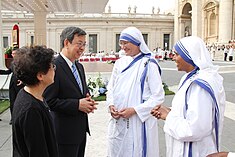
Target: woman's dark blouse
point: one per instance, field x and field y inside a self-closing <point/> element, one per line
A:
<point x="33" y="129"/>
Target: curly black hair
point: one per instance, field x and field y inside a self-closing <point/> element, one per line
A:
<point x="29" y="61"/>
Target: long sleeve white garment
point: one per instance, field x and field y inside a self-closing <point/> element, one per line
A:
<point x="153" y="89"/>
<point x="126" y="136"/>
<point x="230" y="154"/>
<point x="195" y="125"/>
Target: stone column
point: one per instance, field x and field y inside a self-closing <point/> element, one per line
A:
<point x="233" y="33"/>
<point x="1" y="40"/>
<point x="176" y="22"/>
<point x="153" y="43"/>
<point x="158" y="37"/>
<point x="197" y="18"/>
<point x="217" y="22"/>
<point x="225" y="23"/>
<point x="204" y="26"/>
<point x="110" y="45"/>
<point x="40" y="28"/>
<point x="181" y="28"/>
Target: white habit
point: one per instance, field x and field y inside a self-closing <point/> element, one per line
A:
<point x="125" y="136"/>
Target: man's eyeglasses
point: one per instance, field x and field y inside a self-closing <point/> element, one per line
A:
<point x="80" y="44"/>
<point x="174" y="53"/>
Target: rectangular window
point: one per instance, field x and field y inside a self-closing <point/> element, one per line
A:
<point x="93" y="43"/>
<point x="145" y="38"/>
<point x="31" y="40"/>
<point x="118" y="48"/>
<point x="5" y="42"/>
<point x="166" y="41"/>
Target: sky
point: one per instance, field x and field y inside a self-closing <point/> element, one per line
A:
<point x="143" y="6"/>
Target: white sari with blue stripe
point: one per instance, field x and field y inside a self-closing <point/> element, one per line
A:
<point x="125" y="137"/>
<point x="196" y="121"/>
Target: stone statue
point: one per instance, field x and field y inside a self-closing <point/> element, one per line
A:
<point x="153" y="9"/>
<point x="129" y="9"/>
<point x="158" y="10"/>
<point x="135" y="9"/>
<point x="109" y="10"/>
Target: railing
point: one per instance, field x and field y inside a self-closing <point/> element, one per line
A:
<point x="21" y="14"/>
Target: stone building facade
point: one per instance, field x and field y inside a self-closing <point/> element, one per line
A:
<point x="103" y="30"/>
<point x="212" y="20"/>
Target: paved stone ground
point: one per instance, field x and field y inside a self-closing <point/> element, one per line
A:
<point x="97" y="142"/>
<point x="97" y="67"/>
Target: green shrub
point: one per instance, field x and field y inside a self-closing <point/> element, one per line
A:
<point x="165" y="87"/>
<point x="4" y="104"/>
<point x="8" y="50"/>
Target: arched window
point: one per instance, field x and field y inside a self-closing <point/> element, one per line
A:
<point x="187" y="9"/>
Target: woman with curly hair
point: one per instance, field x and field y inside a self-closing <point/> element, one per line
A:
<point x="33" y="130"/>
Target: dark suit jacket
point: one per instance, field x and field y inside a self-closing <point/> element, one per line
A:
<point x="63" y="97"/>
<point x="13" y="87"/>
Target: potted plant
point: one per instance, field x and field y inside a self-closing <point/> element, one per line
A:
<point x="8" y="57"/>
<point x="8" y="52"/>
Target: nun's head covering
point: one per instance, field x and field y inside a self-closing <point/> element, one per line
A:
<point x="134" y="36"/>
<point x="193" y="50"/>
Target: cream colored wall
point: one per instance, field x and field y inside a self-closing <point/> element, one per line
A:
<point x="197" y="18"/>
<point x="226" y="16"/>
<point x="225" y="27"/>
<point x="25" y="29"/>
<point x="106" y="29"/>
<point x="1" y="44"/>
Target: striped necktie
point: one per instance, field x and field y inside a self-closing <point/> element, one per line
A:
<point x="77" y="77"/>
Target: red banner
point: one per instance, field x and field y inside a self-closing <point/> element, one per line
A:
<point x="15" y="36"/>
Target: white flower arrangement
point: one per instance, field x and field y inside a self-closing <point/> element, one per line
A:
<point x="97" y="86"/>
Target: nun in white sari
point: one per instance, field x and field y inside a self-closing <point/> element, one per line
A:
<point x="194" y="123"/>
<point x="134" y="89"/>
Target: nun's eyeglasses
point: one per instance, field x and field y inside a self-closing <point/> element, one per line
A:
<point x="123" y="43"/>
<point x="174" y="53"/>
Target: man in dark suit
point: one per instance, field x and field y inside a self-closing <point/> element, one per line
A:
<point x="15" y="84"/>
<point x="68" y="97"/>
